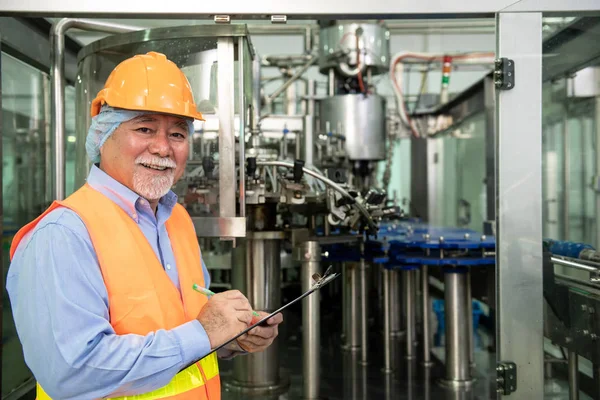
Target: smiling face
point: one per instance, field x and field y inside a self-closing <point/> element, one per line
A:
<point x="147" y="154"/>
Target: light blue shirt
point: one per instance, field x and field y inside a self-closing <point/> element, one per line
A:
<point x="60" y="306"/>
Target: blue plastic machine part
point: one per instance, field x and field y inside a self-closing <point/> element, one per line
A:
<point x="566" y="249"/>
<point x="403" y="244"/>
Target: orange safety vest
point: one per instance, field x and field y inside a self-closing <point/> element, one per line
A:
<point x="142" y="298"/>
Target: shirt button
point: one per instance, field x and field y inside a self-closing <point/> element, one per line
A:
<point x="168" y="266"/>
<point x="134" y="215"/>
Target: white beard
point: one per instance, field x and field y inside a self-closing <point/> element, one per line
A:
<point x="152" y="187"/>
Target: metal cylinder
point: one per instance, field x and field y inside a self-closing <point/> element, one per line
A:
<point x="409" y="311"/>
<point x="361" y="120"/>
<point x="256" y="273"/>
<point x="308" y="142"/>
<point x="426" y="336"/>
<point x="387" y="337"/>
<point x="352" y="338"/>
<point x="458" y="369"/>
<point x="573" y="375"/>
<point x="363" y="310"/>
<point x="395" y="304"/>
<point x="470" y="318"/>
<point x="331" y="82"/>
<point x="310" y="256"/>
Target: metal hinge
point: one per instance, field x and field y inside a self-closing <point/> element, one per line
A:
<point x="506" y="377"/>
<point x="504" y="74"/>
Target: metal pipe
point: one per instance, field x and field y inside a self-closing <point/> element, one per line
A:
<point x="578" y="265"/>
<point x="458" y="369"/>
<point x="387" y="337"/>
<point x="256" y="272"/>
<point x="308" y="40"/>
<point x="363" y="307"/>
<point x="256" y="94"/>
<point x="331" y="82"/>
<point x="329" y="183"/>
<point x="311" y="256"/>
<point x="566" y="176"/>
<point x="242" y="129"/>
<point x="309" y="137"/>
<point x="573" y="375"/>
<point x="470" y="318"/>
<point x="309" y="125"/>
<point x="597" y="189"/>
<point x="57" y="88"/>
<point x="352" y="338"/>
<point x="395" y="304"/>
<point x="426" y="336"/>
<point x="409" y="311"/>
<point x="292" y="79"/>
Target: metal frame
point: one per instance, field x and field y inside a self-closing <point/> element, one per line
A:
<point x="226" y="78"/>
<point x="263" y="9"/>
<point x="519" y="204"/>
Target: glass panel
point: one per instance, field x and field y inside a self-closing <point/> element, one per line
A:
<point x="25" y="188"/>
<point x="571" y="99"/>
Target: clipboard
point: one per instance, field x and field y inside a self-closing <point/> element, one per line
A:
<point x="320" y="281"/>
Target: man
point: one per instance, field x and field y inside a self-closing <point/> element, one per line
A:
<point x="101" y="283"/>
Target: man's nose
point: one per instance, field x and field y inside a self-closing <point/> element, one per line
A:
<point x="160" y="145"/>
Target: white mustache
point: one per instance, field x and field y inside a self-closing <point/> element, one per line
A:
<point x="156" y="161"/>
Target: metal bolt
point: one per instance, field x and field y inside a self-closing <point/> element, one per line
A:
<point x="467" y="236"/>
<point x="509" y="84"/>
<point x="510" y="74"/>
<point x="586" y="332"/>
<point x="594" y="336"/>
<point x="500" y="368"/>
<point x="568" y="340"/>
<point x="326" y="254"/>
<point x="509" y="63"/>
<point x="483" y="237"/>
<point x="583" y="307"/>
<point x="298" y="194"/>
<point x="441" y="239"/>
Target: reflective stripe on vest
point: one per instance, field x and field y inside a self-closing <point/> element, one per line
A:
<point x="142" y="298"/>
<point x="187" y="380"/>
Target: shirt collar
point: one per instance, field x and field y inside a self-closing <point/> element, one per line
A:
<point x="125" y="198"/>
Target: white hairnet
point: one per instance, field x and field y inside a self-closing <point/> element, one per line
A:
<point x="105" y="123"/>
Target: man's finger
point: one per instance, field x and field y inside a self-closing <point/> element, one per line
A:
<point x="254" y="342"/>
<point x="264" y="332"/>
<point x="245" y="317"/>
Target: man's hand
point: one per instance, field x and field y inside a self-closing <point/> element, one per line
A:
<point x="261" y="337"/>
<point x="225" y="315"/>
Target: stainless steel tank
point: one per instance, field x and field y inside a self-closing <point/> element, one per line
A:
<point x="257" y="270"/>
<point x="360" y="119"/>
<point x="338" y="42"/>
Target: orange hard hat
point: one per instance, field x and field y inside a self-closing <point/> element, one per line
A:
<point x="148" y="82"/>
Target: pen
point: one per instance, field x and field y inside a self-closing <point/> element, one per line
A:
<point x="209" y="293"/>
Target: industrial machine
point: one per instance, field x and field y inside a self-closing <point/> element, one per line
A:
<point x="284" y="182"/>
